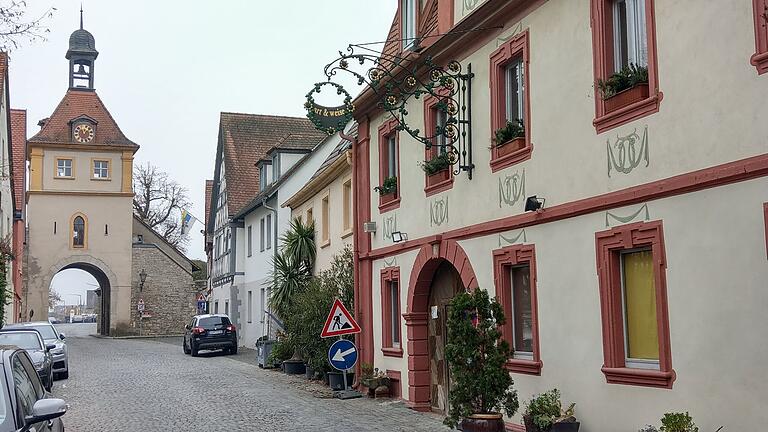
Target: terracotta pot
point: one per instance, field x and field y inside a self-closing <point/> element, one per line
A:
<point x="626" y="97"/>
<point x="510" y="146"/>
<point x="438" y="177"/>
<point x="482" y="423"/>
<point x="388" y="197"/>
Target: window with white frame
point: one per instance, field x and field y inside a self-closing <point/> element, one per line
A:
<point x="63" y="167"/>
<point x="522" y="316"/>
<point x="392" y="155"/>
<point x="638" y="291"/>
<point x="250" y="306"/>
<point x="226" y="307"/>
<point x="394" y="319"/>
<point x="630" y="42"/>
<point x="261" y="235"/>
<point x="101" y="169"/>
<point x="514" y="84"/>
<point x="408" y="23"/>
<point x="250" y="240"/>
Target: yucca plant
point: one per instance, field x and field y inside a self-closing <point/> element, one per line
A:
<point x="299" y="244"/>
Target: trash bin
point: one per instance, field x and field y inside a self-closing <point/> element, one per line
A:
<point x="263" y="349"/>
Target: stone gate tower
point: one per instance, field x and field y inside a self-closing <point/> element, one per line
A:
<point x="80" y="196"/>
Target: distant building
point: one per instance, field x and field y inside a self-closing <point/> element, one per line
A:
<point x="90" y="299"/>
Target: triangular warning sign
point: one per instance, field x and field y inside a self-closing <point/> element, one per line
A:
<point x="339" y="322"/>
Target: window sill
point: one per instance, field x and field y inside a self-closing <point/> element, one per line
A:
<point x="760" y="61"/>
<point x="347" y="232"/>
<point x="392" y="352"/>
<point x="325" y="243"/>
<point x="528" y="367"/>
<point x="523" y="154"/>
<point x="628" y="113"/>
<point x="63" y="178"/>
<point x="386" y="205"/>
<point x="101" y="179"/>
<point x="436" y="185"/>
<point x="639" y="377"/>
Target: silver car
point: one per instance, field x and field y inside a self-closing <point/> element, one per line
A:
<point x="51" y="336"/>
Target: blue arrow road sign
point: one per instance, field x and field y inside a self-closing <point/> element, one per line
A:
<point x="342" y="355"/>
<point x="201" y="305"/>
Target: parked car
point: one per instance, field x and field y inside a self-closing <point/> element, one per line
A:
<point x="25" y="405"/>
<point x="51" y="336"/>
<point x="32" y="342"/>
<point x="210" y="332"/>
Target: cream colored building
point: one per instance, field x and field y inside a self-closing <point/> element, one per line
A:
<point x="327" y="200"/>
<point x="662" y="196"/>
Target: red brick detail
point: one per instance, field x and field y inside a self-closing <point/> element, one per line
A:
<point x="395" y="387"/>
<point x="602" y="53"/>
<point x="499" y="60"/>
<point x="719" y="175"/>
<point x="389" y="274"/>
<point x="765" y="213"/>
<point x="503" y="259"/>
<point x="443" y="180"/>
<point x="760" y="58"/>
<point x="390" y="201"/>
<point x="609" y="244"/>
<point x="416" y="319"/>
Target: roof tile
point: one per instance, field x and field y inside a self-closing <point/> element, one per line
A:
<point x="19" y="155"/>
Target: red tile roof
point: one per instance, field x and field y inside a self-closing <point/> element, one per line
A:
<point x="19" y="156"/>
<point x="208" y="192"/>
<point x="78" y="103"/>
<point x="246" y="139"/>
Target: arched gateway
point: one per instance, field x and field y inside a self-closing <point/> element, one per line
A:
<point x="441" y="270"/>
<point x="80" y="197"/>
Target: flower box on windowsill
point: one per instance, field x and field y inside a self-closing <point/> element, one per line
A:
<point x="510" y="146"/>
<point x="626" y="97"/>
<point x="438" y="177"/>
<point x="389" y="201"/>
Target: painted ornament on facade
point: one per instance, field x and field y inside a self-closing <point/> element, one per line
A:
<point x="390" y="263"/>
<point x="612" y="217"/>
<point x="512" y="239"/>
<point x="511" y="189"/>
<point x="438" y="211"/>
<point x="628" y="152"/>
<point x="471" y="4"/>
<point x="390" y="226"/>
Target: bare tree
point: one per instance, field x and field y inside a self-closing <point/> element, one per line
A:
<point x="16" y="26"/>
<point x="159" y="200"/>
<point x="54" y="298"/>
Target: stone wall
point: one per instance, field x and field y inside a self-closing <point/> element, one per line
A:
<point x="169" y="293"/>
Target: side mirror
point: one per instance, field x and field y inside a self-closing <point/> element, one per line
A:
<point x="61" y="336"/>
<point x="45" y="410"/>
<point x="50" y="347"/>
<point x="187" y="327"/>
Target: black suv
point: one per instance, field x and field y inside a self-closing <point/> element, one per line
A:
<point x="210" y="332"/>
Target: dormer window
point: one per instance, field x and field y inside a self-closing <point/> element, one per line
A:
<point x="276" y="166"/>
<point x="408" y="19"/>
<point x="265" y="167"/>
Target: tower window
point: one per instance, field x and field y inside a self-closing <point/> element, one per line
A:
<point x="64" y="168"/>
<point x="78" y="232"/>
<point x="101" y="169"/>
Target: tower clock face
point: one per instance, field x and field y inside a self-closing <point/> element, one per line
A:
<point x="83" y="133"/>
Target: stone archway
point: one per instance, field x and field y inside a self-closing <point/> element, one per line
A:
<point x="417" y="318"/>
<point x="103" y="275"/>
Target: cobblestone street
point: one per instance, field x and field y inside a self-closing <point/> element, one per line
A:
<point x="150" y="385"/>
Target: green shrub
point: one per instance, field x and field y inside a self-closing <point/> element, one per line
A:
<point x="678" y="422"/>
<point x="624" y="79"/>
<point x="476" y="354"/>
<point x="438" y="163"/>
<point x="389" y="186"/>
<point x="513" y="129"/>
<point x="546" y="409"/>
<point x="281" y="351"/>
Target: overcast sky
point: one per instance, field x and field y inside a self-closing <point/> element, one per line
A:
<point x="166" y="69"/>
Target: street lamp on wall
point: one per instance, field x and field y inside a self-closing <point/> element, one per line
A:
<point x="142" y="279"/>
<point x="398" y="236"/>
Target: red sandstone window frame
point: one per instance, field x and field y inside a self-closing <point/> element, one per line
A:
<point x="500" y="59"/>
<point x="388" y="129"/>
<point x="388" y="275"/>
<point x="760" y="58"/>
<point x="609" y="245"/>
<point x="503" y="260"/>
<point x="602" y="53"/>
<point x="443" y="180"/>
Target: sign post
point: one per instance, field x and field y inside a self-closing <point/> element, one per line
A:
<point x="343" y="353"/>
<point x="201" y="303"/>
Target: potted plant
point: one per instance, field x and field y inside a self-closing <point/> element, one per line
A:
<point x="627" y="86"/>
<point x="388" y="188"/>
<point x="510" y="138"/>
<point x="545" y="413"/>
<point x="481" y="388"/>
<point x="437" y="168"/>
<point x="675" y="422"/>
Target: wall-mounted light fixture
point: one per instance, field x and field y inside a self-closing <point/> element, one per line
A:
<point x="532" y="203"/>
<point x="142" y="279"/>
<point x="398" y="236"/>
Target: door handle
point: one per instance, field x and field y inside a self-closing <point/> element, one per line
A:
<point x="49" y="424"/>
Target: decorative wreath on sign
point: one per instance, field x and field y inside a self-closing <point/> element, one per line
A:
<point x="315" y="111"/>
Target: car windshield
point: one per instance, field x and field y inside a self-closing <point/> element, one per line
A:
<point x="46" y="331"/>
<point x="213" y="322"/>
<point x="25" y="340"/>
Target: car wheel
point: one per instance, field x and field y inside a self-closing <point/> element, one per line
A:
<point x="233" y="350"/>
<point x="186" y="350"/>
<point x="65" y="374"/>
<point x="193" y="349"/>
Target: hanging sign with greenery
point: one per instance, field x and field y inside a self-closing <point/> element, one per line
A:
<point x="329" y="119"/>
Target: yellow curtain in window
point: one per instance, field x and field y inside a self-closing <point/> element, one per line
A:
<point x="640" y="306"/>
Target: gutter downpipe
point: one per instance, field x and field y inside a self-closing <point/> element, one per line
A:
<point x="274" y="252"/>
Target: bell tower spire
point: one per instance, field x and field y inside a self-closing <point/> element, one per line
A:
<point x="82" y="57"/>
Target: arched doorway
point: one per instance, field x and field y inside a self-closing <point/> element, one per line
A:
<point x="442" y="269"/>
<point x="94" y="277"/>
